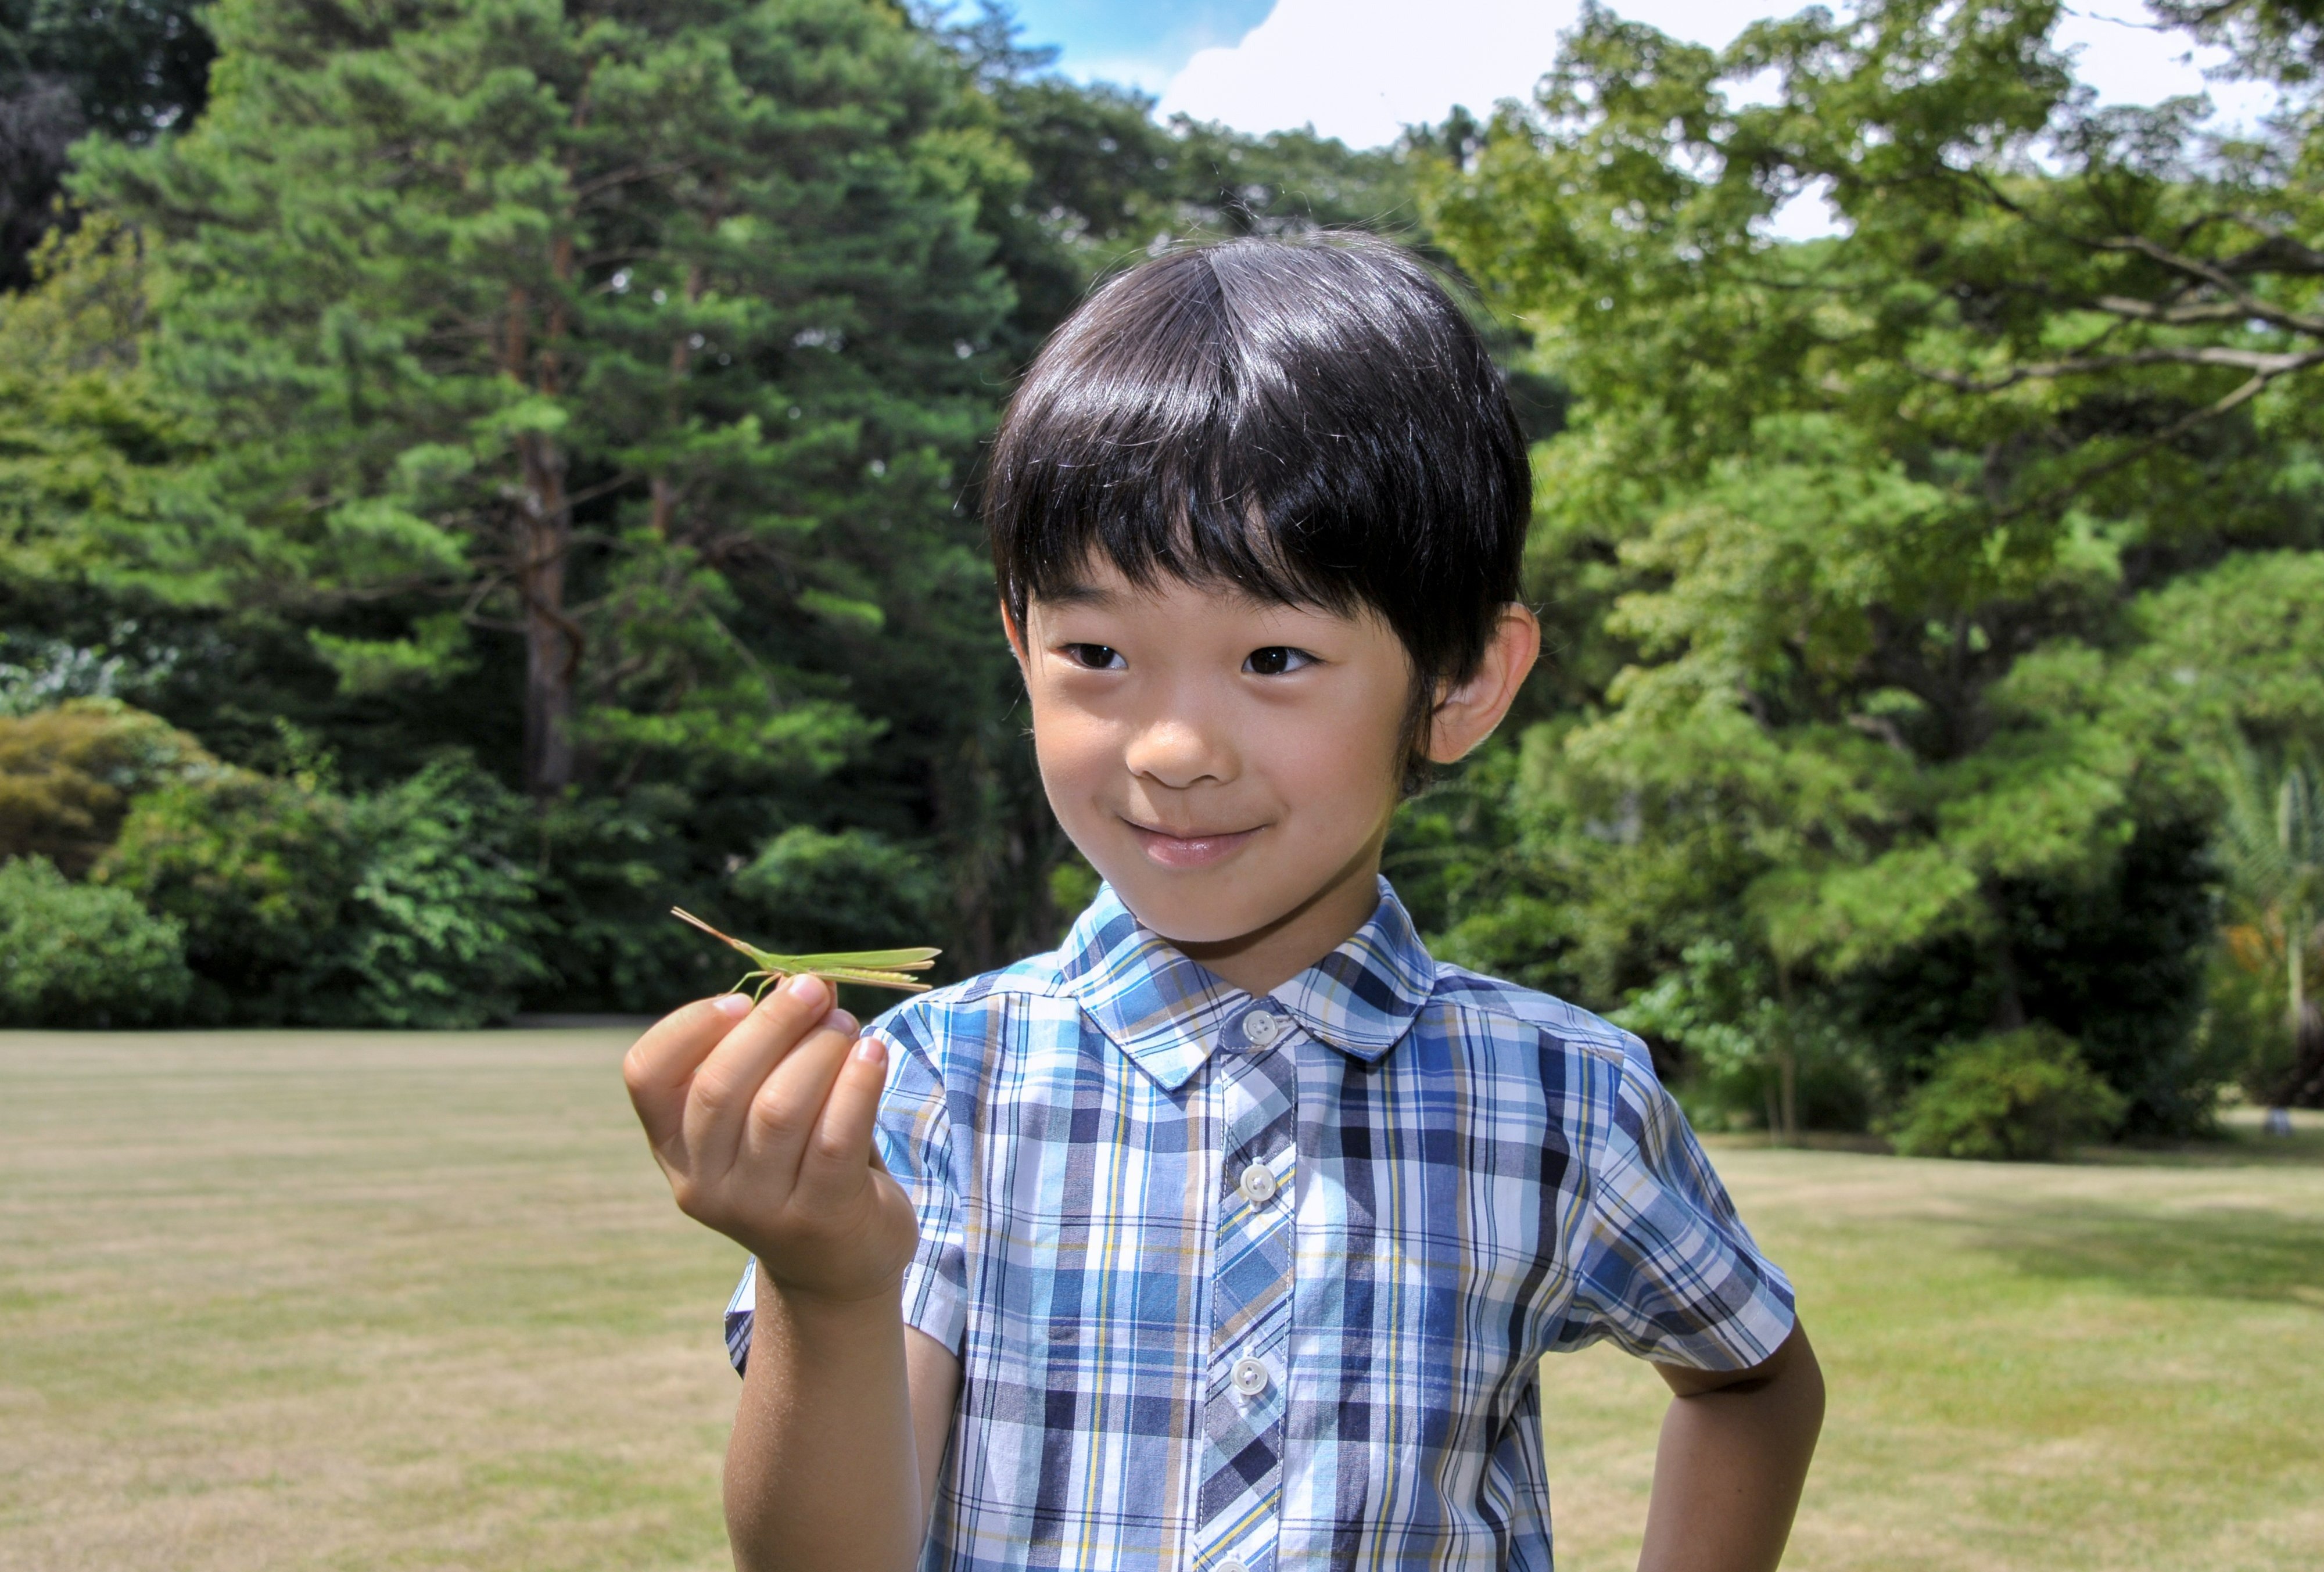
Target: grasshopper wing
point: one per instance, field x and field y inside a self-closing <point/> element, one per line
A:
<point x="914" y="959"/>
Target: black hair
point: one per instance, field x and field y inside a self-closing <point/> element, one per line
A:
<point x="1313" y="423"/>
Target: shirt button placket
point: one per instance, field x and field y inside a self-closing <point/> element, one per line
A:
<point x="1244" y="1410"/>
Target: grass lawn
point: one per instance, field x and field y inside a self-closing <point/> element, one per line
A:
<point x="277" y="1300"/>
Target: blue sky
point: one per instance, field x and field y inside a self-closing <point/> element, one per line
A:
<point x="1141" y="41"/>
<point x="1363" y="70"/>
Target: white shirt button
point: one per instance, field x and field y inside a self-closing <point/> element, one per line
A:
<point x="1257" y="1184"/>
<point x="1250" y="1377"/>
<point x="1233" y="1566"/>
<point x="1262" y="1027"/>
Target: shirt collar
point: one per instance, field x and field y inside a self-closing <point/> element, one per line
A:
<point x="1165" y="1010"/>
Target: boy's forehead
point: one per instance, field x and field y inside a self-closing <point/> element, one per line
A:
<point x="1101" y="585"/>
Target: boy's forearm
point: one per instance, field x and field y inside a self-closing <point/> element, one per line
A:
<point x="1729" y="1468"/>
<point x="821" y="1472"/>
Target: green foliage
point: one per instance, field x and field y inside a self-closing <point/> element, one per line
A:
<point x="130" y="69"/>
<point x="443" y="931"/>
<point x="608" y="870"/>
<point x="258" y="871"/>
<point x="67" y="776"/>
<point x="2244" y="1020"/>
<point x="2022" y="1095"/>
<point x="1880" y="562"/>
<point x="852" y="890"/>
<point x="1748" y="1053"/>
<point x="593" y="390"/>
<point x="90" y="444"/>
<point x="84" y="955"/>
<point x="588" y="391"/>
<point x="2271" y="850"/>
<point x="633" y="331"/>
<point x="133" y="68"/>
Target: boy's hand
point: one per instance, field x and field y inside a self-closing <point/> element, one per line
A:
<point x="761" y="1119"/>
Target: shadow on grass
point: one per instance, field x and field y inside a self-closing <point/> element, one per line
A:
<point x="2230" y="1253"/>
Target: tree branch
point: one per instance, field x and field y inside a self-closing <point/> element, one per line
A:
<point x="2208" y="312"/>
<point x="2214" y="274"/>
<point x="2243" y="394"/>
<point x="2260" y="362"/>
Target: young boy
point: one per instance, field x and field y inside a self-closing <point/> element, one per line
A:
<point x="1229" y="1236"/>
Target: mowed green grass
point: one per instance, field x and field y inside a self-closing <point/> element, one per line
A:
<point x="356" y="1300"/>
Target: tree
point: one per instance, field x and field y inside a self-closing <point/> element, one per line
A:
<point x="1866" y="522"/>
<point x="585" y="328"/>
<point x="2272" y="851"/>
<point x="88" y="441"/>
<point x="127" y="69"/>
<point x="596" y="393"/>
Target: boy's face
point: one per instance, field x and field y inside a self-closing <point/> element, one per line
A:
<point x="1229" y="766"/>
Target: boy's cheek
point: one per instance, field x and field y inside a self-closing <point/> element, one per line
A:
<point x="1074" y="758"/>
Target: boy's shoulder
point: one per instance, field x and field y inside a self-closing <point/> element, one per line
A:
<point x="1569" y="1025"/>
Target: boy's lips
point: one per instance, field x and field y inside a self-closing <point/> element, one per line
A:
<point x="1197" y="849"/>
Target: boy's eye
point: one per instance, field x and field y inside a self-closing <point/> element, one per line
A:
<point x="1097" y="657"/>
<point x="1275" y="659"/>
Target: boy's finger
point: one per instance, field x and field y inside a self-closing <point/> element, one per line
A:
<point x="729" y="1078"/>
<point x="784" y="1113"/>
<point x="664" y="1058"/>
<point x="839" y="1154"/>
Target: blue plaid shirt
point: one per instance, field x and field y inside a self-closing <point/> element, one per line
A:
<point x="1252" y="1284"/>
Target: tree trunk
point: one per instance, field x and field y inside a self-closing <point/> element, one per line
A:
<point x="2304" y="1087"/>
<point x="662" y="488"/>
<point x="552" y="642"/>
<point x="1787" y="1083"/>
<point x="1787" y="1060"/>
<point x="2008" y="1004"/>
<point x="544" y="542"/>
<point x="2303" y="1083"/>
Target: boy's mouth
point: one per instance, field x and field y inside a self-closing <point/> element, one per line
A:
<point x="1197" y="849"/>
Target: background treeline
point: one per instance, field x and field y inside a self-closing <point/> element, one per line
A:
<point x="473" y="473"/>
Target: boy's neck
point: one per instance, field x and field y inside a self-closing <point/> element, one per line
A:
<point x="1261" y="961"/>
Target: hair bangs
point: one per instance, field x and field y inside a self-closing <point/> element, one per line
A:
<point x="1306" y="423"/>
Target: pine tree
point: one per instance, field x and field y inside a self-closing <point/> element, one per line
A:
<point x="642" y="337"/>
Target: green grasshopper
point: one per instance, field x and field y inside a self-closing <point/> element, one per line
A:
<point x="873" y="968"/>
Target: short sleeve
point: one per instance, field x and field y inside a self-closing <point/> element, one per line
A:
<point x="1663" y="1265"/>
<point x="914" y="1141"/>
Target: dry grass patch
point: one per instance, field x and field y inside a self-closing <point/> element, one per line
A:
<point x="2089" y="1366"/>
<point x="369" y="1301"/>
<point x="352" y="1301"/>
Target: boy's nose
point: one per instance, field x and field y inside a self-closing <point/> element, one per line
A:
<point x="1174" y="751"/>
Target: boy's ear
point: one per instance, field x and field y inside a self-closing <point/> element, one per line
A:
<point x="1467" y="712"/>
<point x="1016" y="634"/>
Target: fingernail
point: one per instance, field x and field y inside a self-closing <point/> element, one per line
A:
<point x="871" y="1050"/>
<point x="807" y="989"/>
<point x="840" y="1022"/>
<point x="736" y="1005"/>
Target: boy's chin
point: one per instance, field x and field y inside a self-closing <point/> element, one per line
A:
<point x="1186" y="908"/>
<point x="1198" y="911"/>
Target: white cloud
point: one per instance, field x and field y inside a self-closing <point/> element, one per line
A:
<point x="2129" y="61"/>
<point x="1363" y="70"/>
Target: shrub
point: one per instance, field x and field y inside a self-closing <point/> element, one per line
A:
<point x="67" y="776"/>
<point x="83" y="955"/>
<point x="2118" y="961"/>
<point x="443" y="927"/>
<point x="1718" y="1012"/>
<point x="852" y="890"/>
<point x="2020" y="1096"/>
<point x="608" y="869"/>
<point x="260" y="872"/>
